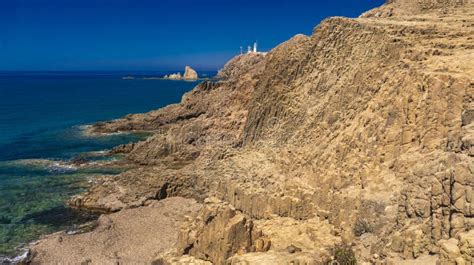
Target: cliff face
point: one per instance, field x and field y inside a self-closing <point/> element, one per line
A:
<point x="374" y="110"/>
<point x="360" y="134"/>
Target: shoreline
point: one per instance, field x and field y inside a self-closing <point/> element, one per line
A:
<point x="88" y="130"/>
<point x="84" y="161"/>
<point x="170" y="79"/>
<point x="134" y="224"/>
<point x="67" y="160"/>
<point x="300" y="157"/>
<point x="21" y="258"/>
<point x="22" y="252"/>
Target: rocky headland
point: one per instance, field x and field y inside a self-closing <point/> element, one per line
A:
<point x="354" y="144"/>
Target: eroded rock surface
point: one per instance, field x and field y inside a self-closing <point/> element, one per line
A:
<point x="359" y="135"/>
<point x="218" y="233"/>
<point x="133" y="236"/>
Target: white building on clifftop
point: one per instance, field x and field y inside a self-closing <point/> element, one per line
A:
<point x="252" y="49"/>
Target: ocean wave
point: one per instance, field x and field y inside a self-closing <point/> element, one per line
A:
<point x="97" y="153"/>
<point x="61" y="167"/>
<point x="86" y="131"/>
<point x="17" y="259"/>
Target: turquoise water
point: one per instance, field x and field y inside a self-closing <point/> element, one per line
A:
<point x="41" y="115"/>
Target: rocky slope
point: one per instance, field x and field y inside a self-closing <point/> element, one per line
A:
<point x="356" y="139"/>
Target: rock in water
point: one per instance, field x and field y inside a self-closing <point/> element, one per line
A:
<point x="190" y="74"/>
<point x="176" y="76"/>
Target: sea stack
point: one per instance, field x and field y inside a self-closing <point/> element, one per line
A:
<point x="190" y="74"/>
<point x="176" y="76"/>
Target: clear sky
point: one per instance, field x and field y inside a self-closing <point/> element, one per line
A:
<point x="152" y="34"/>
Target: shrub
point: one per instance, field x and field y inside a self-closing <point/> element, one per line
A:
<point x="342" y="255"/>
<point x="361" y="227"/>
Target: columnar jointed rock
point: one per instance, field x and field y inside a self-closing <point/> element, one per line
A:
<point x="218" y="233"/>
<point x="361" y="135"/>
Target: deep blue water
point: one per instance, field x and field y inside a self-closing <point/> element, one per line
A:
<point x="41" y="115"/>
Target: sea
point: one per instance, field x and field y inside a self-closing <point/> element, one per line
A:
<point x="42" y="121"/>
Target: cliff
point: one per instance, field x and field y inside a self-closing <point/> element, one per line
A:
<point x="357" y="140"/>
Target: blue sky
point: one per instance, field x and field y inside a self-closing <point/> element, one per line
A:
<point x="151" y="34"/>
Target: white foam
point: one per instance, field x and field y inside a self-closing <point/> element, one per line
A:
<point x="15" y="260"/>
<point x="61" y="167"/>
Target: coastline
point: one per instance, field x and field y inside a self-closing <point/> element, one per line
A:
<point x="92" y="164"/>
<point x="19" y="259"/>
<point x="84" y="162"/>
<point x="169" y="79"/>
<point x="96" y="130"/>
<point x="134" y="226"/>
<point x="89" y="131"/>
<point x="284" y="159"/>
<point x="47" y="157"/>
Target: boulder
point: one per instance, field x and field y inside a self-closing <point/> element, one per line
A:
<point x="218" y="233"/>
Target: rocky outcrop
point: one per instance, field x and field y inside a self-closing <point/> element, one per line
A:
<point x="240" y="65"/>
<point x="359" y="135"/>
<point x="415" y="7"/>
<point x="218" y="233"/>
<point x="133" y="236"/>
<point x="190" y="74"/>
<point x="458" y="250"/>
<point x="176" y="76"/>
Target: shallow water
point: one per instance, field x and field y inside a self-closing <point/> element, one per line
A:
<point x="41" y="116"/>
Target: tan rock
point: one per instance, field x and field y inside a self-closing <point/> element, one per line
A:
<point x="449" y="250"/>
<point x="466" y="246"/>
<point x="130" y="236"/>
<point x="190" y="74"/>
<point x="272" y="257"/>
<point x="218" y="233"/>
<point x="360" y="133"/>
<point x="176" y="76"/>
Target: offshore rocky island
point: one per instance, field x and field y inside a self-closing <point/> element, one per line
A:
<point x="189" y="75"/>
<point x="352" y="145"/>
